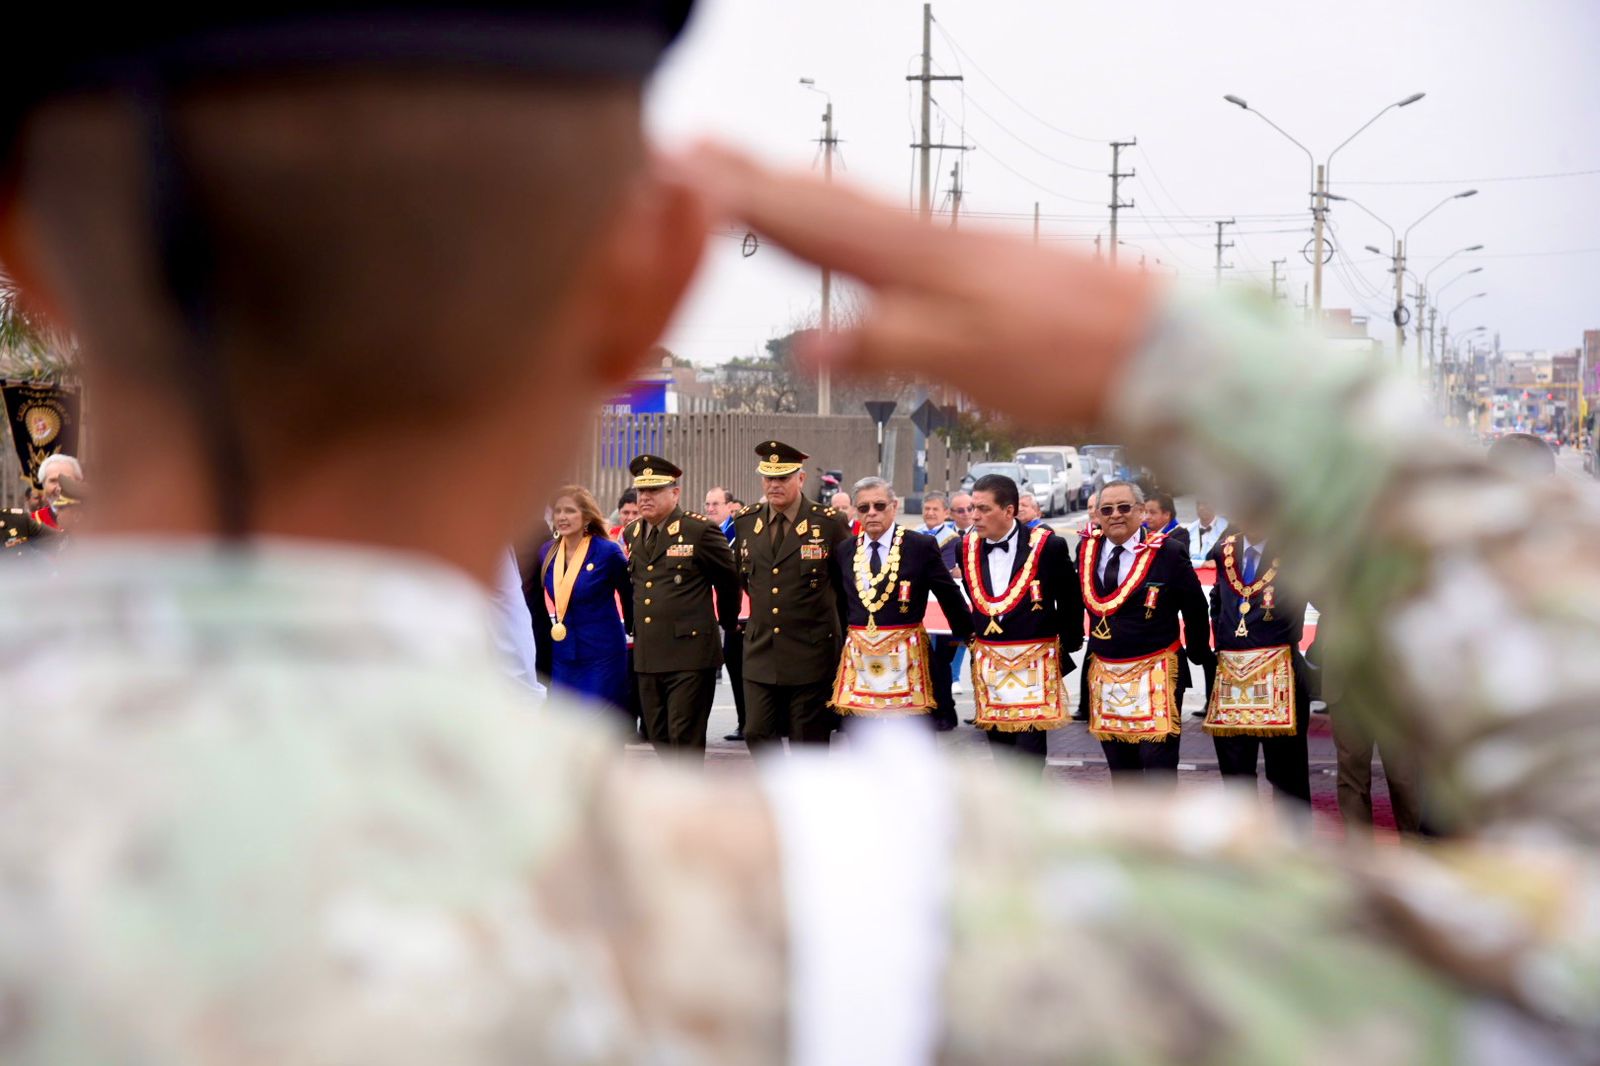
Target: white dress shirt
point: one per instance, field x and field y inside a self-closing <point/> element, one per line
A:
<point x="1001" y="563"/>
<point x="1200" y="544"/>
<point x="1124" y="561"/>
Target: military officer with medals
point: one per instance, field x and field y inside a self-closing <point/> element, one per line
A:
<point x="796" y="628"/>
<point x="889" y="571"/>
<point x="685" y="591"/>
<point x="1136" y="586"/>
<point x="1260" y="699"/>
<point x="1027" y="616"/>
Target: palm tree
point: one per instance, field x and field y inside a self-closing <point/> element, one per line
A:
<point x="31" y="349"/>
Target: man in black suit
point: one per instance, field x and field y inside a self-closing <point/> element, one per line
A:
<point x="1261" y="699"/>
<point x="888" y="572"/>
<point x="1137" y="586"/>
<point x="1028" y="617"/>
<point x="1161" y="516"/>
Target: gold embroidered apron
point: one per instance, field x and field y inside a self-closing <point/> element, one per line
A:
<point x="1254" y="694"/>
<point x="1017" y="685"/>
<point x="1134" y="699"/>
<point x="884" y="671"/>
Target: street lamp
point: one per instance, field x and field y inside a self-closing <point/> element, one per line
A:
<point x="1399" y="268"/>
<point x="1433" y="313"/>
<point x="1319" y="180"/>
<point x="824" y="374"/>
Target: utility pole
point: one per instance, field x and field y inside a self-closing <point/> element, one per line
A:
<point x="1422" y="313"/>
<point x="926" y="146"/>
<point x="1319" y="208"/>
<point x="1433" y="321"/>
<point x="1036" y="223"/>
<point x="1399" y="302"/>
<point x="1116" y="179"/>
<point x="1275" y="264"/>
<point x="1097" y="247"/>
<point x="824" y="374"/>
<point x="955" y="194"/>
<point x="1220" y="246"/>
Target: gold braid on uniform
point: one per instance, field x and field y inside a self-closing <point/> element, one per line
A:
<point x="871" y="597"/>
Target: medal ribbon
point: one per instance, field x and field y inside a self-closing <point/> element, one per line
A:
<point x="566" y="575"/>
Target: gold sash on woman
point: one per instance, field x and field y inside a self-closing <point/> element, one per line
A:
<point x="566" y="578"/>
<point x="1254" y="694"/>
<point x="1134" y="699"/>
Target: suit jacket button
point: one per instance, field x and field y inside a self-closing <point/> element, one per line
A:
<point x="647" y="601"/>
<point x="774" y="590"/>
<point x="646" y="619"/>
<point x="774" y="610"/>
<point x="774" y="569"/>
<point x="650" y="566"/>
<point x="777" y="629"/>
<point x="649" y="584"/>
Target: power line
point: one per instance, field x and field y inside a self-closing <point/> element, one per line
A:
<point x="962" y="52"/>
<point x="1006" y="166"/>
<point x="1456" y="181"/>
<point x="1029" y="145"/>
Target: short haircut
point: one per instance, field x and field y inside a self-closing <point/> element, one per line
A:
<point x="872" y="483"/>
<point x="1138" y="493"/>
<point x="727" y="497"/>
<point x="734" y="501"/>
<point x="1002" y="488"/>
<point x="628" y="496"/>
<point x="59" y="459"/>
<point x="1165" y="501"/>
<point x="1030" y="497"/>
<point x="935" y="497"/>
<point x="368" y="235"/>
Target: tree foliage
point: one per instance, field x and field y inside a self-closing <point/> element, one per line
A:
<point x="31" y="349"/>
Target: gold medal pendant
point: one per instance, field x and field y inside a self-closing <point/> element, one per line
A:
<point x="1241" y="631"/>
<point x="558" y="631"/>
<point x="1101" y="630"/>
<point x="993" y="626"/>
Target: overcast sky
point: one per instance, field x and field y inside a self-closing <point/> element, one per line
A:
<point x="1513" y="89"/>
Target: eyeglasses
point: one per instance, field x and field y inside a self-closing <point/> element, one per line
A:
<point x="874" y="505"/>
<point x="962" y="510"/>
<point x="1109" y="509"/>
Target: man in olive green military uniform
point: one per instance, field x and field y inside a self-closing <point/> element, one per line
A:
<point x="678" y="561"/>
<point x="797" y="602"/>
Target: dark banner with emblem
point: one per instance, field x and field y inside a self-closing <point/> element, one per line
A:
<point x="44" y="421"/>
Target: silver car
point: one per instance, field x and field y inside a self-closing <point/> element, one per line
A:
<point x="1015" y="471"/>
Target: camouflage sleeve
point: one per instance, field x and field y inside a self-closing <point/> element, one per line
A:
<point x="1469" y="622"/>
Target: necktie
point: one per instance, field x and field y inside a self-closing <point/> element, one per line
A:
<point x="876" y="562"/>
<point x="650" y="540"/>
<point x="780" y="525"/>
<point x="1108" y="576"/>
<point x="1252" y="557"/>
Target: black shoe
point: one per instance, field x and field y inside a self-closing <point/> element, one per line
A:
<point x="944" y="727"/>
<point x="1079" y="716"/>
<point x="735" y="736"/>
<point x="1197" y="714"/>
<point x="970" y="721"/>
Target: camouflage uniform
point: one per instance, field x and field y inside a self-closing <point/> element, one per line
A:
<point x="284" y="808"/>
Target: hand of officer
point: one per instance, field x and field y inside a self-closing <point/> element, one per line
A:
<point x="985" y="312"/>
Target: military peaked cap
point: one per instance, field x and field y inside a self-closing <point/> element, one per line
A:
<point x="653" y="472"/>
<point x="779" y="459"/>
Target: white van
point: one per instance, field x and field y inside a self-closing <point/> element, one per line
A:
<point x="1064" y="464"/>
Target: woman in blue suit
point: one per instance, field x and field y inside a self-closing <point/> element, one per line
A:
<point x="584" y="574"/>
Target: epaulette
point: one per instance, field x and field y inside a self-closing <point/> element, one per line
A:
<point x="638" y="524"/>
<point x="831" y="512"/>
<point x="749" y="508"/>
<point x="696" y="515"/>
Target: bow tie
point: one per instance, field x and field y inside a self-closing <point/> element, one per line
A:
<point x="1003" y="546"/>
<point x="1204" y="530"/>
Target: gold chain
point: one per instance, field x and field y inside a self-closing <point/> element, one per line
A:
<point x="867" y="584"/>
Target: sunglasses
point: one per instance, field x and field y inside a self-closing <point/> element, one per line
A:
<point x="868" y="508"/>
<point x="1109" y="509"/>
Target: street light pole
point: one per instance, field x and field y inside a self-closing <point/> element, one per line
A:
<point x="824" y="375"/>
<point x="1319" y="184"/>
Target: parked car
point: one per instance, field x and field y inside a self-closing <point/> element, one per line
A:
<point x="1015" y="471"/>
<point x="1096" y="472"/>
<point x="1066" y="467"/>
<point x="1115" y="456"/>
<point x="1049" y="491"/>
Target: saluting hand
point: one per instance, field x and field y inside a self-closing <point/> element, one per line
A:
<point x="982" y="311"/>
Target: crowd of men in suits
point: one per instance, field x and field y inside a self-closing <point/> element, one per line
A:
<point x="818" y="613"/>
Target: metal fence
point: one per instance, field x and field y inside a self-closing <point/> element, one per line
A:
<point x="719" y="449"/>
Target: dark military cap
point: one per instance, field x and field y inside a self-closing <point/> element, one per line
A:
<point x="653" y="472"/>
<point x="779" y="459"/>
<point x="172" y="45"/>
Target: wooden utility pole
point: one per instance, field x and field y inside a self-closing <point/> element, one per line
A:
<point x="1116" y="180"/>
